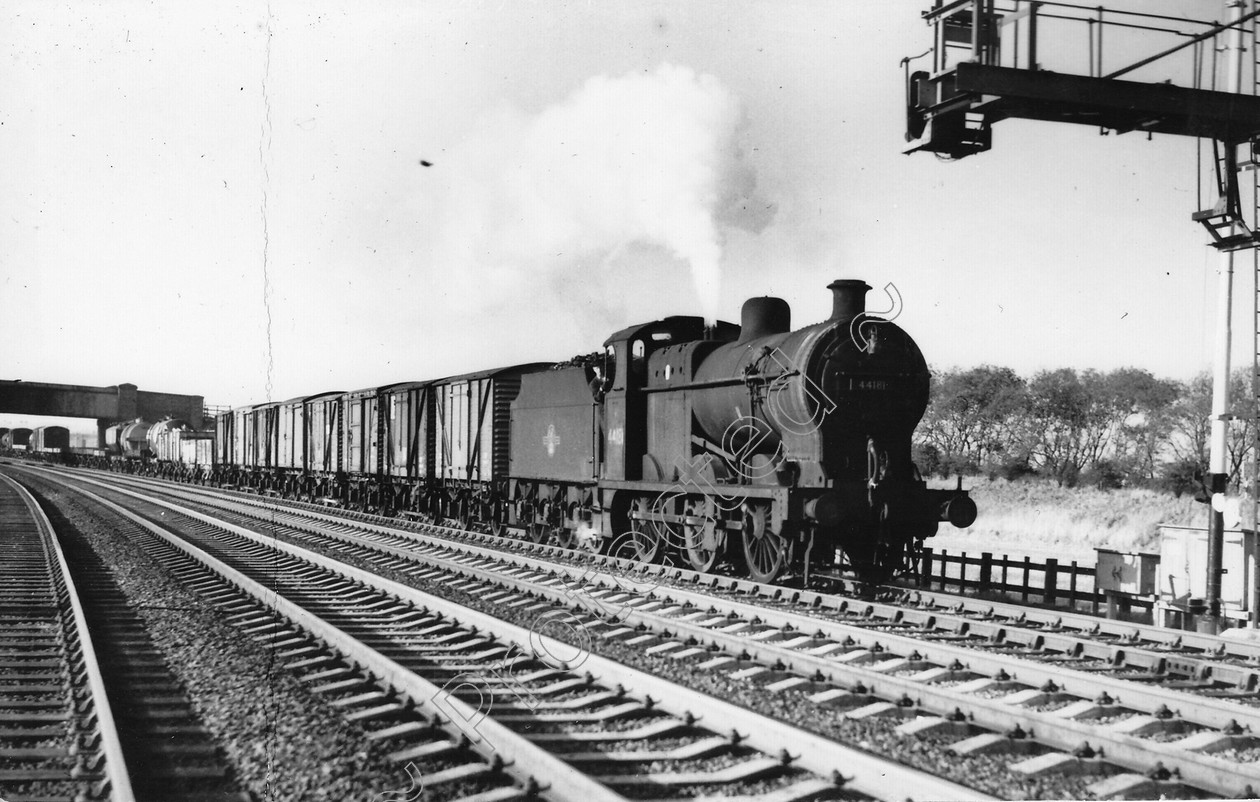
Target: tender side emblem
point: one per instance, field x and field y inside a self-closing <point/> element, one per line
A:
<point x="551" y="439"/>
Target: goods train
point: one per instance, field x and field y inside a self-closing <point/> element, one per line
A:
<point x="771" y="449"/>
<point x="48" y="443"/>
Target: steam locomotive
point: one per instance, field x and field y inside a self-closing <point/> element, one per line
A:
<point x="769" y="449"/>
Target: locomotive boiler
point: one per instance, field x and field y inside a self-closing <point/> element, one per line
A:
<point x="779" y="447"/>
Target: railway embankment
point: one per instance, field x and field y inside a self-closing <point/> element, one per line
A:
<point x="1039" y="517"/>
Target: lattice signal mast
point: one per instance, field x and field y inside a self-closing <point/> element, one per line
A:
<point x="1046" y="61"/>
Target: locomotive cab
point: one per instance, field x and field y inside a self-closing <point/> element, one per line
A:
<point x="625" y="403"/>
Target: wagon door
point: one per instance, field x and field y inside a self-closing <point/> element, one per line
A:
<point x="372" y="432"/>
<point x="407" y="427"/>
<point x="453" y="431"/>
<point x="297" y="437"/>
<point x="352" y="452"/>
<point x="322" y="434"/>
<point x="225" y="438"/>
<point x="271" y="445"/>
<point x="245" y="438"/>
<point x="481" y="411"/>
<point x="286" y="443"/>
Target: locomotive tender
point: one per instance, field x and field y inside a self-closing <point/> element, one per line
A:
<point x="758" y="445"/>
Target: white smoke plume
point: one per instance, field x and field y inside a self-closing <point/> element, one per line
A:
<point x="645" y="158"/>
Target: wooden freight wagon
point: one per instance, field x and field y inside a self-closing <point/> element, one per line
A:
<point x="472" y="445"/>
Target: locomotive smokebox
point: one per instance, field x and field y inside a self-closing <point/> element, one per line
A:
<point x="848" y="298"/>
<point x="761" y="317"/>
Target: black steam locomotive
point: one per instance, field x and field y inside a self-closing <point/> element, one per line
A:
<point x="770" y="449"/>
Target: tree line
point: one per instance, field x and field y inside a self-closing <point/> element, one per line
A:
<point x="1120" y="428"/>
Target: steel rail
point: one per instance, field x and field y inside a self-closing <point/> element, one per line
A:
<point x="490" y="739"/>
<point x="1220" y="714"/>
<point x="965" y="608"/>
<point x="872" y="775"/>
<point x="1215" y="774"/>
<point x="1065" y="734"/>
<point x="1021" y="628"/>
<point x="953" y="608"/>
<point x="1211" y="773"/>
<point x="111" y="744"/>
<point x="1208" y="711"/>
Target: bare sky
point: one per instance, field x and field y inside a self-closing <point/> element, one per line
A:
<point x="232" y="199"/>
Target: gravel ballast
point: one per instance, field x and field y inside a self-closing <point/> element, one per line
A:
<point x="284" y="742"/>
<point x="987" y="772"/>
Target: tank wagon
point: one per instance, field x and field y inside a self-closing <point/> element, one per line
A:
<point x="128" y="441"/>
<point x="765" y="447"/>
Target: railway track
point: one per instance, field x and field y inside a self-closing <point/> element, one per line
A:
<point x="1180" y="715"/>
<point x="607" y="731"/>
<point x="58" y="739"/>
<point x="887" y="602"/>
<point x="168" y="749"/>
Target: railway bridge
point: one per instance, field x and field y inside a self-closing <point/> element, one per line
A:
<point x="108" y="405"/>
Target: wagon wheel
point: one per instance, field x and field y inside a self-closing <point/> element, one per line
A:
<point x="643" y="541"/>
<point x="446" y="512"/>
<point x="564" y="536"/>
<point x="766" y="552"/>
<point x="594" y="542"/>
<point x="461" y="509"/>
<point x="498" y="519"/>
<point x="568" y="538"/>
<point x="525" y="516"/>
<point x="700" y="557"/>
<point x="540" y="531"/>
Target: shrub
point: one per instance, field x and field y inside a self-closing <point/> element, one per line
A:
<point x="927" y="457"/>
<point x="1068" y="475"/>
<point x="1104" y="475"/>
<point x="1181" y="476"/>
<point x="954" y="465"/>
<point x="1012" y="468"/>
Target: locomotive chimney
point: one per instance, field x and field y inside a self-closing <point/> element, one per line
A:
<point x="761" y="317"/>
<point x="848" y="298"/>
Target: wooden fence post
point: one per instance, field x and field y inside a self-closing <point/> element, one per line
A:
<point x="1049" y="591"/>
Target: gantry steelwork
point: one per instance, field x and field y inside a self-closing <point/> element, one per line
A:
<point x="1055" y="61"/>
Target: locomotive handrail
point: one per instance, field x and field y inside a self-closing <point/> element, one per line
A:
<point x="695" y="385"/>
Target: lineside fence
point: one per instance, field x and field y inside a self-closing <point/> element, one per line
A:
<point x="1049" y="583"/>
